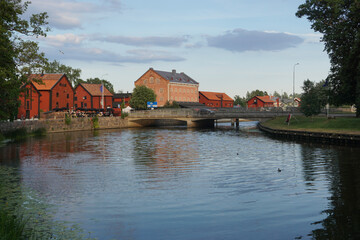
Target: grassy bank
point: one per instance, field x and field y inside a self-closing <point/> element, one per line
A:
<point x="317" y="124"/>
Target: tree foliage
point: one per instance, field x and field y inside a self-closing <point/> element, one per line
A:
<point x="18" y="57"/>
<point x="313" y="99"/>
<point x="174" y="104"/>
<point x="140" y="96"/>
<point x="254" y="93"/>
<point x="339" y="21"/>
<point x="239" y="101"/>
<point x="73" y="74"/>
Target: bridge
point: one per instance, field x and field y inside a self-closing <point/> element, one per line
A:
<point x="199" y="117"/>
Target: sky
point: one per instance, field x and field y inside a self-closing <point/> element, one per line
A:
<point x="230" y="46"/>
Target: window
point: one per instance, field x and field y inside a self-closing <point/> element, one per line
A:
<point x="75" y="105"/>
<point x="145" y="82"/>
<point x="67" y="96"/>
<point x="75" y="98"/>
<point x="151" y="80"/>
<point x="161" y="99"/>
<point x="57" y="94"/>
<point x="158" y="81"/>
<point x="27" y="104"/>
<point x="57" y="105"/>
<point x="67" y="105"/>
<point x="85" y="105"/>
<point x="84" y="97"/>
<point x="161" y="90"/>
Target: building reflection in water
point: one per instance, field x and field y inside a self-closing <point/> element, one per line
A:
<point x="160" y="158"/>
<point x="341" y="167"/>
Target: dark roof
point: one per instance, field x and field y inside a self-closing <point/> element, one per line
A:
<point x="191" y="104"/>
<point x="176" y="77"/>
<point x="122" y="95"/>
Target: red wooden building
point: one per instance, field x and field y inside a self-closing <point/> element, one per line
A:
<point x="119" y="98"/>
<point x="89" y="95"/>
<point x="215" y="99"/>
<point x="29" y="102"/>
<point x="263" y="101"/>
<point x="45" y="92"/>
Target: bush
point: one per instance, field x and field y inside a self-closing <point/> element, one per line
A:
<point x="95" y="122"/>
<point x="67" y="119"/>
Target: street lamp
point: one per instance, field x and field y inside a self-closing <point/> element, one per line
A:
<point x="294" y="84"/>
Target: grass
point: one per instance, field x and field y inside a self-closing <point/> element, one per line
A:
<point x="348" y="125"/>
<point x="11" y="227"/>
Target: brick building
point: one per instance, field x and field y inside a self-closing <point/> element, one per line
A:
<point x="170" y="86"/>
<point x="215" y="99"/>
<point x="89" y="95"/>
<point x="29" y="101"/>
<point x="55" y="91"/>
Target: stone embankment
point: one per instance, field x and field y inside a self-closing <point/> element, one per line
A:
<point x="59" y="124"/>
<point x="333" y="138"/>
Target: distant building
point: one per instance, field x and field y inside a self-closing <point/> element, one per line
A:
<point x="263" y="101"/>
<point x="215" y="99"/>
<point x="55" y="92"/>
<point x="119" y="98"/>
<point x="89" y="96"/>
<point x="170" y="86"/>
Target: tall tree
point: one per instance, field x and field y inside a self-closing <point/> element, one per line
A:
<point x="18" y="57"/>
<point x="73" y="74"/>
<point x="339" y="21"/>
<point x="140" y="96"/>
<point x="313" y="99"/>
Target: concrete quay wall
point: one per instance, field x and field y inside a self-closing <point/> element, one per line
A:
<point x="331" y="138"/>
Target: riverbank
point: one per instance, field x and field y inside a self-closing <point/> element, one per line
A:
<point x="342" y="130"/>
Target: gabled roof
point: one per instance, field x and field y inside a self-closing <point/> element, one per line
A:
<point x="94" y="89"/>
<point x="48" y="80"/>
<point x="176" y="77"/>
<point x="265" y="99"/>
<point x="216" y="96"/>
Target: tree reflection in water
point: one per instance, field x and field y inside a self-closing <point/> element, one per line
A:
<point x="341" y="167"/>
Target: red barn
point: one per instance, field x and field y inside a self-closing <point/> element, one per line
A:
<point x="89" y="95"/>
<point x="215" y="99"/>
<point x="55" y="89"/>
<point x="29" y="102"/>
<point x="263" y="101"/>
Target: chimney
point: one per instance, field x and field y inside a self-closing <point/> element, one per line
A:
<point x="173" y="71"/>
<point x="151" y="68"/>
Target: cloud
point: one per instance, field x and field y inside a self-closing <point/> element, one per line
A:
<point x="67" y="39"/>
<point x="69" y="14"/>
<point x="144" y="41"/>
<point x="101" y="55"/>
<point x="240" y="40"/>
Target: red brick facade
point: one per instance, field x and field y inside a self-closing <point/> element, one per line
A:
<point x="170" y="86"/>
<point x="55" y="89"/>
<point x="89" y="95"/>
<point x="29" y="102"/>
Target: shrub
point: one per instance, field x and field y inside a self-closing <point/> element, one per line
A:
<point x="95" y="122"/>
<point x="67" y="119"/>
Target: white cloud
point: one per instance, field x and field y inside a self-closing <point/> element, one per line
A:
<point x="64" y="39"/>
<point x="240" y="40"/>
<point x="144" y="41"/>
<point x="69" y="14"/>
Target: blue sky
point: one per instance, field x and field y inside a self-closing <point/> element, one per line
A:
<point x="230" y="46"/>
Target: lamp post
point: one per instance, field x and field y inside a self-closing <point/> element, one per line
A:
<point x="294" y="84"/>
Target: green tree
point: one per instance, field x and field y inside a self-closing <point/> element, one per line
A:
<point x="239" y="101"/>
<point x="285" y="95"/>
<point x="106" y="83"/>
<point x="313" y="99"/>
<point x="338" y="21"/>
<point x="73" y="74"/>
<point x="174" y="104"/>
<point x="254" y="93"/>
<point x="140" y="96"/>
<point x="18" y="57"/>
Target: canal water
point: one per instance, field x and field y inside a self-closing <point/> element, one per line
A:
<point x="178" y="183"/>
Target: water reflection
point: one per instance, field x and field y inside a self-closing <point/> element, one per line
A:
<point x="341" y="167"/>
<point x="178" y="183"/>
